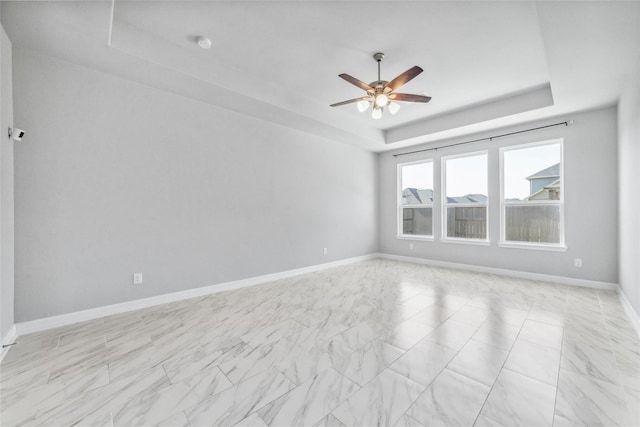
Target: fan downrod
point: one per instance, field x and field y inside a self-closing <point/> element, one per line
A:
<point x="378" y="56"/>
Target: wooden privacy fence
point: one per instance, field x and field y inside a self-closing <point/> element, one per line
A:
<point x="522" y="223"/>
<point x="532" y="223"/>
<point x="467" y="222"/>
<point x="417" y="221"/>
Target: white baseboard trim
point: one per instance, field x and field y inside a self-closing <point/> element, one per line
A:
<point x="510" y="273"/>
<point x="37" y="325"/>
<point x="631" y="313"/>
<point x="6" y="340"/>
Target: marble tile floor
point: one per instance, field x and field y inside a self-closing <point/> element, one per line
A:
<point x="376" y="343"/>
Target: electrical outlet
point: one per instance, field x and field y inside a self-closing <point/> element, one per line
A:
<point x="325" y="251"/>
<point x="410" y="246"/>
<point x="137" y="278"/>
<point x="578" y="262"/>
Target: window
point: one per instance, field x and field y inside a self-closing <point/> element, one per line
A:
<point x="415" y="199"/>
<point x="532" y="195"/>
<point x="464" y="203"/>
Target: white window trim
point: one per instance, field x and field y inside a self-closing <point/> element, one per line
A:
<point x="541" y="246"/>
<point x="443" y="192"/>
<point x="400" y="206"/>
<point x="420" y="237"/>
<point x="554" y="247"/>
<point x="464" y="241"/>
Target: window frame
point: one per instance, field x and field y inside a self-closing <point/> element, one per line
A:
<point x="444" y="204"/>
<point x="558" y="247"/>
<point x="401" y="207"/>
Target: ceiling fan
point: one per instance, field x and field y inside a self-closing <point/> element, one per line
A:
<point x="381" y="93"/>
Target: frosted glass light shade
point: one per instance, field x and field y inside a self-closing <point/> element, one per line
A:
<point x="381" y="100"/>
<point x="377" y="113"/>
<point x="394" y="107"/>
<point x="363" y="105"/>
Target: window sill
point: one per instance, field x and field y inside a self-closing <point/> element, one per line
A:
<point x="533" y="246"/>
<point x="414" y="237"/>
<point x="477" y="242"/>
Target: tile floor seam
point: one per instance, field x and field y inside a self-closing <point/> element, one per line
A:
<point x="358" y="388"/>
<point x="529" y="376"/>
<point x="167" y="375"/>
<point x="544" y="345"/>
<point x="388" y="367"/>
<point x="615" y="356"/>
<point x="108" y="374"/>
<point x="228" y="379"/>
<point x="445" y="367"/>
<point x="407" y="415"/>
<point x="555" y="399"/>
<point x="499" y="372"/>
<point x="262" y="419"/>
<point x="186" y="418"/>
<point x="289" y="378"/>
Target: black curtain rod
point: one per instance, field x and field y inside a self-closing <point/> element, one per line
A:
<point x="489" y="138"/>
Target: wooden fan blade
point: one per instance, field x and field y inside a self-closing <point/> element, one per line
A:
<point x="409" y="97"/>
<point x="351" y="101"/>
<point x="404" y="78"/>
<point x="362" y="85"/>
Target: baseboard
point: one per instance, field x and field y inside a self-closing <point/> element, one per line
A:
<point x="6" y="340"/>
<point x="510" y="273"/>
<point x="31" y="326"/>
<point x="631" y="313"/>
<point x="28" y="327"/>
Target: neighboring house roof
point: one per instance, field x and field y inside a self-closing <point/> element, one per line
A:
<point x="413" y="196"/>
<point x="554" y="185"/>
<point x="548" y="172"/>
<point x="469" y="198"/>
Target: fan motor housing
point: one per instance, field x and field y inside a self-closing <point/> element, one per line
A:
<point x="378" y="83"/>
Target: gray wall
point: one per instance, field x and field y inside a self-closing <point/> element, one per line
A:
<point x="117" y="178"/>
<point x="6" y="188"/>
<point x="629" y="188"/>
<point x="590" y="160"/>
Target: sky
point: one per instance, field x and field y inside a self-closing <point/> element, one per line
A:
<point x="519" y="164"/>
<point x="418" y="176"/>
<point x="468" y="175"/>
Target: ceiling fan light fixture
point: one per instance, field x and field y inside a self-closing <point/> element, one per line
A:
<point x="363" y="106"/>
<point x="382" y="93"/>
<point x="382" y="100"/>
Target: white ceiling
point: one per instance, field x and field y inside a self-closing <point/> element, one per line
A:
<point x="487" y="64"/>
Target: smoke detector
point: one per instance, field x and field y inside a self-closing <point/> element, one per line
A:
<point x="203" y="42"/>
